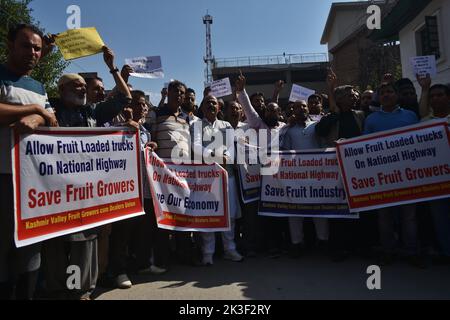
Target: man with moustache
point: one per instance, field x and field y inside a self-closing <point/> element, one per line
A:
<point x="344" y="122"/>
<point x="268" y="118"/>
<point x="23" y="107"/>
<point x="392" y="116"/>
<point x="301" y="135"/>
<point x="95" y="90"/>
<point x="202" y="134"/>
<point x="171" y="133"/>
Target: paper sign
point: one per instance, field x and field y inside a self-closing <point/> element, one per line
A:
<point x="146" y="67"/>
<point x="300" y="93"/>
<point x="78" y="43"/>
<point x="221" y="88"/>
<point x="424" y="65"/>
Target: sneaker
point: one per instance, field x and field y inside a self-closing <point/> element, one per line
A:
<point x="152" y="270"/>
<point x="207" y="260"/>
<point x="123" y="282"/>
<point x="233" y="256"/>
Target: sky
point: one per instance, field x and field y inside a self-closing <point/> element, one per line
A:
<point x="175" y="31"/>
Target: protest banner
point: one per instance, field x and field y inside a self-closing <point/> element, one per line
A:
<point x="300" y="93"/>
<point x="250" y="182"/>
<point x="188" y="197"/>
<point x="396" y="167"/>
<point x="146" y="67"/>
<point x="221" y="88"/>
<point x="424" y="65"/>
<point x="67" y="180"/>
<point x="307" y="184"/>
<point x="78" y="43"/>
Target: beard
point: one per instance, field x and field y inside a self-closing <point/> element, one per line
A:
<point x="75" y="99"/>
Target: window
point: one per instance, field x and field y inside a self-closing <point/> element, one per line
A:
<point x="427" y="37"/>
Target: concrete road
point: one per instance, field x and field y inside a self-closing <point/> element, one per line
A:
<point x="311" y="277"/>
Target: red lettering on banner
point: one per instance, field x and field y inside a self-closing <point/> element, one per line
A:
<point x="42" y="199"/>
<point x="252" y="178"/>
<point x="363" y="183"/>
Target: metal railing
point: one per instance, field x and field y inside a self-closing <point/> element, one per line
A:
<point x="270" y="60"/>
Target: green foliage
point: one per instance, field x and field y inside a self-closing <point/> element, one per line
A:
<point x="50" y="68"/>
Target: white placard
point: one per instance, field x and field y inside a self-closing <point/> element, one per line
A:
<point x="300" y="93"/>
<point x="424" y="65"/>
<point x="146" y="67"/>
<point x="221" y="88"/>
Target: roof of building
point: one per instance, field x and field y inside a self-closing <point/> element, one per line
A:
<point x="335" y="8"/>
<point x="401" y="14"/>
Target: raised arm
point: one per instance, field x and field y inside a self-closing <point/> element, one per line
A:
<point x="324" y="126"/>
<point x="332" y="85"/>
<point x="121" y="85"/>
<point x="163" y="98"/>
<point x="425" y="84"/>
<point x="279" y="85"/>
<point x="253" y="118"/>
<point x="126" y="72"/>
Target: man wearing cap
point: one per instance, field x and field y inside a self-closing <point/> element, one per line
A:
<point x="72" y="110"/>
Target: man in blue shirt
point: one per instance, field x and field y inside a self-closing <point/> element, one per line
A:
<point x="392" y="116"/>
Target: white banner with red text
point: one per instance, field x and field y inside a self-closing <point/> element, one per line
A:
<point x="67" y="180"/>
<point x="188" y="197"/>
<point x="307" y="184"/>
<point x="392" y="168"/>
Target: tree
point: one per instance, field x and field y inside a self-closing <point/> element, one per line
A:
<point x="50" y="68"/>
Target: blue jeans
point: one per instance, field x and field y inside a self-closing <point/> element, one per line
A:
<point x="440" y="210"/>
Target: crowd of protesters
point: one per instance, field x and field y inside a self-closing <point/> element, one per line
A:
<point x="107" y="256"/>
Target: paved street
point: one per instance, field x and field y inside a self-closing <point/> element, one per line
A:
<point x="312" y="277"/>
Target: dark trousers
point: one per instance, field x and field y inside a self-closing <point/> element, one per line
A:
<point x="18" y="267"/>
<point x="252" y="228"/>
<point x="58" y="255"/>
<point x="354" y="235"/>
<point x="131" y="240"/>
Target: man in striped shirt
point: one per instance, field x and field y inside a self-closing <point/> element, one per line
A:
<point x="172" y="135"/>
<point x="23" y="107"/>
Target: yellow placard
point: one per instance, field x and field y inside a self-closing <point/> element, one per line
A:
<point x="78" y="43"/>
